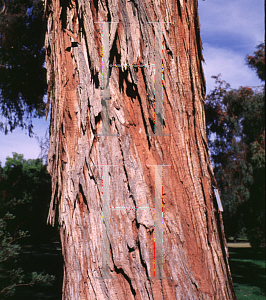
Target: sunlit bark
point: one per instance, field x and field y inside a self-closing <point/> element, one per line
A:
<point x="194" y="249"/>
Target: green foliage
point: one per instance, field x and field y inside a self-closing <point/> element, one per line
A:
<point x="257" y="61"/>
<point x="236" y="135"/>
<point x="25" y="190"/>
<point x="16" y="277"/>
<point x="22" y="74"/>
<point x="23" y="179"/>
<point x="9" y="250"/>
<point x="24" y="187"/>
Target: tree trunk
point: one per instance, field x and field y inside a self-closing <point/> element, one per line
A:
<point x="131" y="175"/>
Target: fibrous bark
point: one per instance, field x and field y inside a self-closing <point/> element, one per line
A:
<point x="194" y="249"/>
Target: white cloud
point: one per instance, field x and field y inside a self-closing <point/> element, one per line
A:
<point x="230" y="29"/>
<point x="239" y="18"/>
<point x="231" y="65"/>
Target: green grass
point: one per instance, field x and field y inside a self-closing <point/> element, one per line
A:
<point x="248" y="272"/>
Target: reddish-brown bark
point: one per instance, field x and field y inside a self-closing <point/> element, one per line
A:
<point x="194" y="249"/>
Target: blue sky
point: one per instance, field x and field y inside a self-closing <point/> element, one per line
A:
<point x="230" y="29"/>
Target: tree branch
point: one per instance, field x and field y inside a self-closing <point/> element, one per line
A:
<point x="4" y="7"/>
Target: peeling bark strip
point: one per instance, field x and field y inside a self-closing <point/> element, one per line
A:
<point x="85" y="106"/>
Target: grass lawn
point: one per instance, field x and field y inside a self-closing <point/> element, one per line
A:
<point x="248" y="272"/>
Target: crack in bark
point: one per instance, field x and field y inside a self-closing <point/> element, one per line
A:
<point x="83" y="196"/>
<point x="148" y="293"/>
<point x="124" y="165"/>
<point x="144" y="121"/>
<point x="143" y="263"/>
<point x="208" y="206"/>
<point x="121" y="271"/>
<point x="92" y="286"/>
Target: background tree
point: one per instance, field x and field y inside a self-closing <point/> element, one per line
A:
<point x="236" y="135"/>
<point x="79" y="75"/>
<point x="257" y="61"/>
<point x="22" y="72"/>
<point x="24" y="190"/>
<point x="24" y="185"/>
<point x="44" y="146"/>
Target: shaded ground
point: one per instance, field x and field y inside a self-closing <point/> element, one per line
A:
<point x="248" y="271"/>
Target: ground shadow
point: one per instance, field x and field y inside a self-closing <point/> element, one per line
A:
<point x="248" y="267"/>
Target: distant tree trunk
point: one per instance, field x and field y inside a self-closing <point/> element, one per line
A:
<point x="84" y="157"/>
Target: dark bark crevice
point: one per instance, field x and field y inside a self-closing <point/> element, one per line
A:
<point x="83" y="128"/>
<point x="98" y="118"/>
<point x="143" y="263"/>
<point x="144" y="122"/>
<point x="96" y="5"/>
<point x="64" y="5"/>
<point x="124" y="165"/>
<point x="74" y="206"/>
<point x="122" y="272"/>
<point x="179" y="9"/>
<point x="148" y="293"/>
<point x="92" y="285"/>
<point x="83" y="196"/>
<point x="151" y="101"/>
<point x="208" y="211"/>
